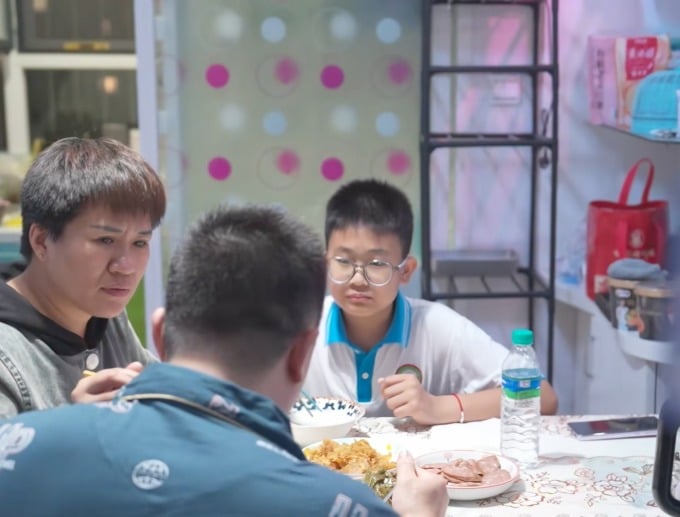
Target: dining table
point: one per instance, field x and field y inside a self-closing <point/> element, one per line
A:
<point x="573" y="478"/>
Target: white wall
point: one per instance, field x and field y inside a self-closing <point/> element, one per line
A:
<point x="489" y="190"/>
<point x="593" y="159"/>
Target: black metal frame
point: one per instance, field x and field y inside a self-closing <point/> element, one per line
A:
<point x="536" y="287"/>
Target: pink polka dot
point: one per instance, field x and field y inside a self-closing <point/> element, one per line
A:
<point x="398" y="163"/>
<point x="217" y="76"/>
<point x="332" y="77"/>
<point x="332" y="169"/>
<point x="287" y="162"/>
<point x="399" y="71"/>
<point x="287" y="70"/>
<point x="219" y="168"/>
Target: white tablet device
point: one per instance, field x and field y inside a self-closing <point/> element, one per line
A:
<point x="629" y="427"/>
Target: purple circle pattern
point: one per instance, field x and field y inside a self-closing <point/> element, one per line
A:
<point x="287" y="71"/>
<point x="219" y="168"/>
<point x="399" y="72"/>
<point x="398" y="163"/>
<point x="332" y="169"/>
<point x="288" y="162"/>
<point x="332" y="77"/>
<point x="278" y="76"/>
<point x="217" y="75"/>
<point x="393" y="75"/>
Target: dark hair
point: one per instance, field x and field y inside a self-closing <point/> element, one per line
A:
<point x="74" y="174"/>
<point x="242" y="284"/>
<point x="375" y="204"/>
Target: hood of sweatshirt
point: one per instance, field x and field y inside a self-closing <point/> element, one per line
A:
<point x="16" y="311"/>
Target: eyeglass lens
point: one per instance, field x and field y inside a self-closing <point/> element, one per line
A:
<point x="376" y="273"/>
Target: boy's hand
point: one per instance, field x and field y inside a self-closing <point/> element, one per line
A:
<point x="405" y="396"/>
<point x="418" y="492"/>
<point x="103" y="385"/>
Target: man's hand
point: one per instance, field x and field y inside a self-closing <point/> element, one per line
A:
<point x="418" y="492"/>
<point x="103" y="385"/>
<point x="405" y="396"/>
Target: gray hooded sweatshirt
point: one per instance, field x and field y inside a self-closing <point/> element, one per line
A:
<point x="41" y="362"/>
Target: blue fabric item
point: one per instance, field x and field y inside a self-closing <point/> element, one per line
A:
<point x="397" y="334"/>
<point x="155" y="457"/>
<point x="635" y="269"/>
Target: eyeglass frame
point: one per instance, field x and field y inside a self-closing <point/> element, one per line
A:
<point x="355" y="266"/>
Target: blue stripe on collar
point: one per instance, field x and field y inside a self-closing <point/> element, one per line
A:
<point x="335" y="327"/>
<point x="397" y="333"/>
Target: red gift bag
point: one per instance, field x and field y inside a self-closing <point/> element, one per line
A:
<point x="617" y="230"/>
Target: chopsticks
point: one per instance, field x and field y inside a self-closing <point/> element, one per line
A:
<point x="390" y="474"/>
<point x="311" y="401"/>
<point x="388" y="496"/>
<point x="306" y="408"/>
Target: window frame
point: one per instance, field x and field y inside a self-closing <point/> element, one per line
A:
<point x="29" y="42"/>
<point x="16" y="93"/>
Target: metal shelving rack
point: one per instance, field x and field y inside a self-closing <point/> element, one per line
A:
<point x="526" y="283"/>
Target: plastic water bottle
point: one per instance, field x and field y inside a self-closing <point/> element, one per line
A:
<point x="521" y="400"/>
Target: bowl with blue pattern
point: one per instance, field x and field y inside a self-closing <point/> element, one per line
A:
<point x="333" y="419"/>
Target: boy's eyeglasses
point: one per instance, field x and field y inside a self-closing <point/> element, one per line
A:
<point x="377" y="272"/>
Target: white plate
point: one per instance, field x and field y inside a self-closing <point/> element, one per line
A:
<point x="457" y="493"/>
<point x="381" y="444"/>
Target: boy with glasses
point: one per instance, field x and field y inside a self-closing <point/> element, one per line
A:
<point x="397" y="356"/>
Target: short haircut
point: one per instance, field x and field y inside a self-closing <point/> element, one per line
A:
<point x="375" y="204"/>
<point x="244" y="282"/>
<point x="75" y="174"/>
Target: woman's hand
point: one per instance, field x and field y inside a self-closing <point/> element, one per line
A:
<point x="103" y="385"/>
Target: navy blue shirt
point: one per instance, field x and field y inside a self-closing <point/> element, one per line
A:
<point x="158" y="457"/>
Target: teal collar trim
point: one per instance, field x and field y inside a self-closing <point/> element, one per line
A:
<point x="397" y="333"/>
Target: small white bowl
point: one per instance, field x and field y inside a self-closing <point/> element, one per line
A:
<point x="457" y="493"/>
<point x="334" y="418"/>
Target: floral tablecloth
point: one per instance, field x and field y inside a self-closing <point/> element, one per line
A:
<point x="602" y="478"/>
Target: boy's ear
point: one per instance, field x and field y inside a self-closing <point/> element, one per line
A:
<point x="410" y="265"/>
<point x="158" y="331"/>
<point x="300" y="355"/>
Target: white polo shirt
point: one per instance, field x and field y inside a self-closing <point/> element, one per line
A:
<point x="451" y="354"/>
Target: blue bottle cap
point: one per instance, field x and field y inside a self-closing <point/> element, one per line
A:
<point x="522" y="337"/>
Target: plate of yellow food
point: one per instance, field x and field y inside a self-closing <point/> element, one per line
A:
<point x="370" y="460"/>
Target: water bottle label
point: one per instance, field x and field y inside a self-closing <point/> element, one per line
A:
<point x="521" y="388"/>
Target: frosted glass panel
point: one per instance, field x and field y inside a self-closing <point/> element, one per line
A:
<point x="283" y="102"/>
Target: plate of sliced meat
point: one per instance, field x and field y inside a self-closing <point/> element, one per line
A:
<point x="471" y="475"/>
